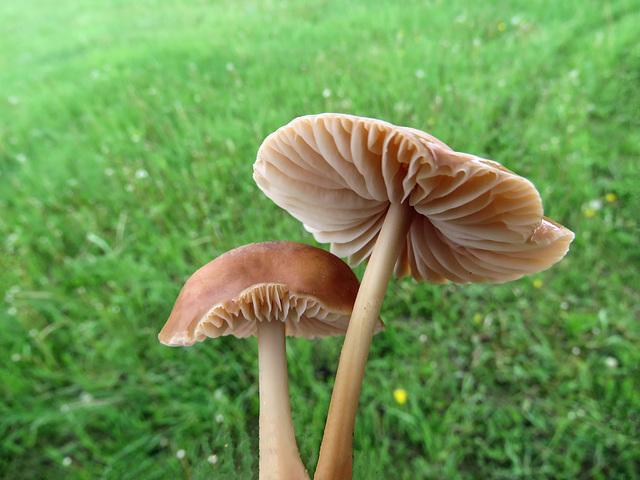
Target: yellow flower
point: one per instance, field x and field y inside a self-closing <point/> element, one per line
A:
<point x="477" y="318"/>
<point x="400" y="394"/>
<point x="537" y="283"/>
<point x="502" y="26"/>
<point x="610" y="197"/>
<point x="590" y="212"/>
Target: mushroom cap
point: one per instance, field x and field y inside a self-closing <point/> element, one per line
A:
<point x="475" y="220"/>
<point x="308" y="288"/>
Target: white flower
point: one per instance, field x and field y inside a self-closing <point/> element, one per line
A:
<point x="326" y="93"/>
<point x="180" y="454"/>
<point x="86" y="397"/>
<point x="141" y="173"/>
<point x="611" y="362"/>
<point x="595" y="204"/>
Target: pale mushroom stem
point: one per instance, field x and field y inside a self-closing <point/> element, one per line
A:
<point x="279" y="455"/>
<point x="336" y="452"/>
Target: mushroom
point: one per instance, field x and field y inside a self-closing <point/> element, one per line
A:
<point x="412" y="206"/>
<point x="269" y="289"/>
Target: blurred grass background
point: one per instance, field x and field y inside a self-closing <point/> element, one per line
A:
<point x="127" y="136"/>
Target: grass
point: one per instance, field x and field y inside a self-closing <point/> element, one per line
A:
<point x="127" y="136"/>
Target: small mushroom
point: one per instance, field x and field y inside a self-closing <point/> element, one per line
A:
<point x="412" y="206"/>
<point x="269" y="289"/>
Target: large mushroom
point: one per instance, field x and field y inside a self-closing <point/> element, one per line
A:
<point x="269" y="289"/>
<point x="412" y="206"/>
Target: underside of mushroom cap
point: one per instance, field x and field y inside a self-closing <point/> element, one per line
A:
<point x="309" y="289"/>
<point x="476" y="220"/>
<point x="303" y="315"/>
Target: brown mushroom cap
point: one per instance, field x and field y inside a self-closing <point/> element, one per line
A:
<point x="477" y="221"/>
<point x="308" y="288"/>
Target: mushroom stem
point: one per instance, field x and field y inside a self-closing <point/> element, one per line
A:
<point x="336" y="452"/>
<point x="279" y="456"/>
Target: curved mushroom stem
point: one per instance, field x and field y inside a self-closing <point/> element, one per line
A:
<point x="336" y="452"/>
<point x="279" y="456"/>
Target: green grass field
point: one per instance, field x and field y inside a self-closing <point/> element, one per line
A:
<point x="128" y="131"/>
